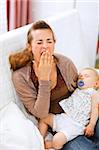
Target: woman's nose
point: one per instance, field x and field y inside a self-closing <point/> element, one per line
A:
<point x="45" y="45"/>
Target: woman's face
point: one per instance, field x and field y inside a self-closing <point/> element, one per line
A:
<point x="42" y="41"/>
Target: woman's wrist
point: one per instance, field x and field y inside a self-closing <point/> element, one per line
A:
<point x="44" y="85"/>
<point x="44" y="79"/>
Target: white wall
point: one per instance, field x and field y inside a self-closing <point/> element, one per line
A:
<point x="45" y="8"/>
<point x="88" y="11"/>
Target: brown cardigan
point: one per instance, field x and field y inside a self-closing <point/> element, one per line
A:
<point x="38" y="104"/>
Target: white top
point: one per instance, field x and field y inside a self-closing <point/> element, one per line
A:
<point x="78" y="105"/>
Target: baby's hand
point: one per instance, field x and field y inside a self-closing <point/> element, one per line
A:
<point x="89" y="130"/>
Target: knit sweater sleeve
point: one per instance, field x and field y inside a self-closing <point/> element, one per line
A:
<point x="37" y="104"/>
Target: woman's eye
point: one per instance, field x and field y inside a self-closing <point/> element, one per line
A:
<point x="39" y="43"/>
<point x="49" y="41"/>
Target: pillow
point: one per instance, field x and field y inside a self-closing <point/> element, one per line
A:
<point x="16" y="131"/>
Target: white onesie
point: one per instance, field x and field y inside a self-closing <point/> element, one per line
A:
<point x="78" y="105"/>
<point x="77" y="110"/>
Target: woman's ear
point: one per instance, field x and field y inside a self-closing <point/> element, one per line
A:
<point x="29" y="47"/>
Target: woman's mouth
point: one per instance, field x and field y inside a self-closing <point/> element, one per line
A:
<point x="43" y="52"/>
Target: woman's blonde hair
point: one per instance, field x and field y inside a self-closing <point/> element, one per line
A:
<point x="20" y="59"/>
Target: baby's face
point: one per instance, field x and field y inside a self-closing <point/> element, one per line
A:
<point x="87" y="79"/>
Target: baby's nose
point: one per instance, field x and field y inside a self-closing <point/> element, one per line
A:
<point x="81" y="76"/>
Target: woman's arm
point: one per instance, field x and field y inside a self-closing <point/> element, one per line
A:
<point x="36" y="103"/>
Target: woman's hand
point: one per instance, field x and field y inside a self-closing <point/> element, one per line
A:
<point x="45" y="66"/>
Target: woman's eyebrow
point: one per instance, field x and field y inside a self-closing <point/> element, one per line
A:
<point x="46" y="39"/>
<point x="49" y="39"/>
<point x="39" y="40"/>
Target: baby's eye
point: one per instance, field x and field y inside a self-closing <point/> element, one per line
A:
<point x="87" y="76"/>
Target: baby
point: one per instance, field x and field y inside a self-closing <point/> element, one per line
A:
<point x="80" y="112"/>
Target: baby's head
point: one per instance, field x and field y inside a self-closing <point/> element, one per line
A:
<point x="88" y="78"/>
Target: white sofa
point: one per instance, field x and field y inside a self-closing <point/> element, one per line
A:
<point x="16" y="126"/>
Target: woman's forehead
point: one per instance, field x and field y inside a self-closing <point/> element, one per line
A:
<point x="41" y="33"/>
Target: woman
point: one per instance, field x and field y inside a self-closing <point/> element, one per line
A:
<point x="42" y="78"/>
